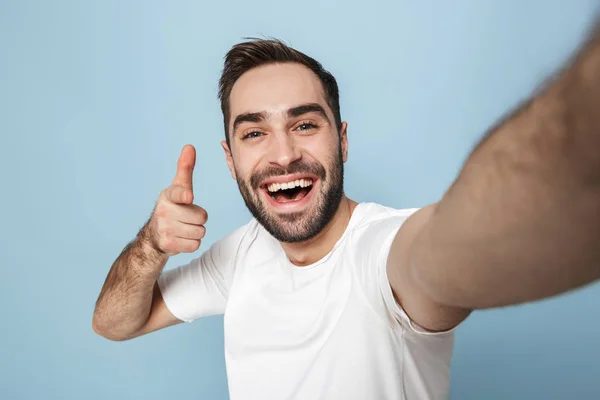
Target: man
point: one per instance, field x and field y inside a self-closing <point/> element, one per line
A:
<point x="325" y="298"/>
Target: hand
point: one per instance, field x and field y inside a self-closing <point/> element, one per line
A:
<point x="177" y="225"/>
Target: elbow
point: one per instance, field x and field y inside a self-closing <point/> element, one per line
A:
<point x="101" y="330"/>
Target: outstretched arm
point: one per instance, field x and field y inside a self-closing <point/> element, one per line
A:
<point x="522" y="221"/>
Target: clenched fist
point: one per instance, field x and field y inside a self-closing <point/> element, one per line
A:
<point x="177" y="225"/>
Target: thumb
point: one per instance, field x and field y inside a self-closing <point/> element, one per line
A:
<point x="185" y="167"/>
<point x="178" y="195"/>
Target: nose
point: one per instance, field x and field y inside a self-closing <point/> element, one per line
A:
<point x="283" y="150"/>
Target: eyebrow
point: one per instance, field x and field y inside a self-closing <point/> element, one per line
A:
<point x="293" y="112"/>
<point x="307" y="108"/>
<point x="248" y="117"/>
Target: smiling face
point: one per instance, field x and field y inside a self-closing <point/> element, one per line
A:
<point x="285" y="151"/>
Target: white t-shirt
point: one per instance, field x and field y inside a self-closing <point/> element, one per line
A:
<point x="330" y="330"/>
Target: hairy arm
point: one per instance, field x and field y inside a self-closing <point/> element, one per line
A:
<point x="130" y="295"/>
<point x="522" y="220"/>
<point x="130" y="303"/>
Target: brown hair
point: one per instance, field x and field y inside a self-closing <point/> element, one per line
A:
<point x="257" y="52"/>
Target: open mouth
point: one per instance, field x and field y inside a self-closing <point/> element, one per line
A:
<point x="291" y="191"/>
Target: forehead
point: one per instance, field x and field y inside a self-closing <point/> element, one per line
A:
<point x="275" y="87"/>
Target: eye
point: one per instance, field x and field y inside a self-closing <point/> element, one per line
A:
<point x="305" y="126"/>
<point x="252" y="135"/>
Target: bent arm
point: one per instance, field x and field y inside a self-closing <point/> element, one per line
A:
<point x="522" y="221"/>
<point x="130" y="303"/>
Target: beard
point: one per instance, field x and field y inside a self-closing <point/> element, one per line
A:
<point x="297" y="226"/>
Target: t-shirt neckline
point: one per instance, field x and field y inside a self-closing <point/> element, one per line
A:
<point x="351" y="223"/>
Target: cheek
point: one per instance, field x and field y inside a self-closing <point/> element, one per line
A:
<point x="323" y="150"/>
<point x="244" y="166"/>
<point x="328" y="154"/>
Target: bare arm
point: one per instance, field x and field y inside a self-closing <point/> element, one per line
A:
<point x="130" y="303"/>
<point x="522" y="221"/>
<point x="126" y="301"/>
<point x="418" y="304"/>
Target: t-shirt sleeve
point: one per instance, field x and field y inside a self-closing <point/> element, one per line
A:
<point x="200" y="288"/>
<point x="374" y="242"/>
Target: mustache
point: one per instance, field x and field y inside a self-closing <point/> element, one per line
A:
<point x="296" y="167"/>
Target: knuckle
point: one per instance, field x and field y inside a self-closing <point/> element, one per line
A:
<point x="201" y="232"/>
<point x="171" y="193"/>
<point x="175" y="189"/>
<point x="177" y="194"/>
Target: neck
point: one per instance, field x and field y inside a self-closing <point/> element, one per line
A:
<point x="310" y="251"/>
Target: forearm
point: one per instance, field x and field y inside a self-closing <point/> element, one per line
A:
<point x="125" y="301"/>
<point x="522" y="221"/>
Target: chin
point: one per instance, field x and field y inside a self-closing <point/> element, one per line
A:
<point x="300" y="215"/>
<point x="296" y="227"/>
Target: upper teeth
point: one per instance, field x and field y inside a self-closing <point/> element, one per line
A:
<point x="273" y="187"/>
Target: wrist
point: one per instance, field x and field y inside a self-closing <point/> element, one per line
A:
<point x="149" y="247"/>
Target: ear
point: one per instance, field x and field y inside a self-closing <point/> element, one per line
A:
<point x="229" y="159"/>
<point x="344" y="140"/>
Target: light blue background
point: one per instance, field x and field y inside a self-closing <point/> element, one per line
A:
<point x="97" y="99"/>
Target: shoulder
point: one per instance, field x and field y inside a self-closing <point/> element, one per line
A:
<point x="374" y="220"/>
<point x="232" y="241"/>
<point x="372" y="231"/>
<point x="250" y="242"/>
